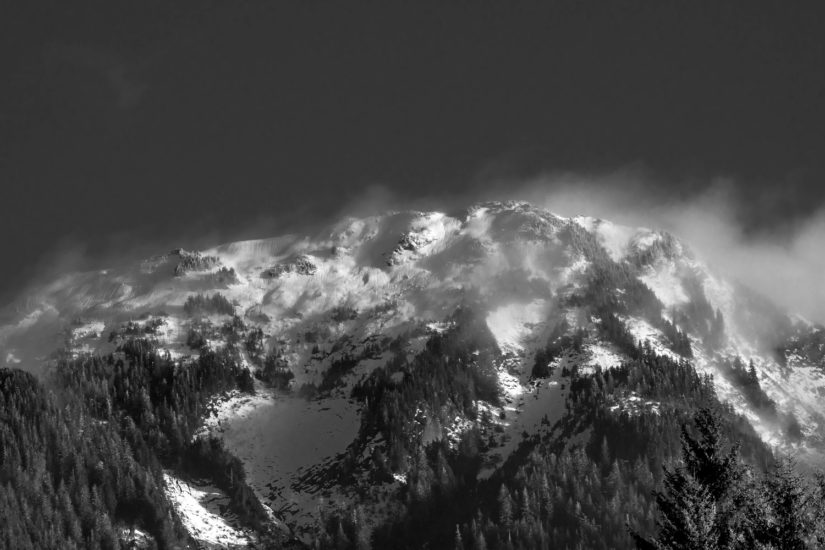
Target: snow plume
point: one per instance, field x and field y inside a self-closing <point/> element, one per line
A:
<point x="744" y="232"/>
<point x="785" y="266"/>
<point x="782" y="259"/>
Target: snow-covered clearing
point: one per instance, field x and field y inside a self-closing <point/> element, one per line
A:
<point x="199" y="510"/>
<point x="599" y="355"/>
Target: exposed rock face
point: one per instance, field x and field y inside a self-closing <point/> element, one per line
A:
<point x="193" y="261"/>
<point x="302" y="265"/>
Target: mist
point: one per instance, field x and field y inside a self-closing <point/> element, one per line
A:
<point x="737" y="229"/>
<point x="782" y="261"/>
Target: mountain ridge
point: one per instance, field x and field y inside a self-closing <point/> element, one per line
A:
<point x="321" y="317"/>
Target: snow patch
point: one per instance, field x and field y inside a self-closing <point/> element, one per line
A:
<point x="509" y="383"/>
<point x="91" y="329"/>
<point x="643" y="332"/>
<point x="600" y="355"/>
<point x="136" y="538"/>
<point x="439" y="327"/>
<point x="633" y="405"/>
<point x="198" y="507"/>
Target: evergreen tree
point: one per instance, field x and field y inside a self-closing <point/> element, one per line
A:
<point x="788" y="521"/>
<point x="700" y="507"/>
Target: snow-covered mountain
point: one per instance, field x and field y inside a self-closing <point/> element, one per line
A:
<point x="329" y="310"/>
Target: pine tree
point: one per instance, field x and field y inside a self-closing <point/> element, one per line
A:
<point x="700" y="507"/>
<point x="704" y="457"/>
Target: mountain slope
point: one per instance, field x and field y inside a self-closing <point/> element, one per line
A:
<point x="407" y="330"/>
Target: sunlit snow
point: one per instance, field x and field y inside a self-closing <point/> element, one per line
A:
<point x="511" y="323"/>
<point x="198" y="507"/>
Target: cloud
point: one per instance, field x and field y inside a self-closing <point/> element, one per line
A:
<point x="783" y="260"/>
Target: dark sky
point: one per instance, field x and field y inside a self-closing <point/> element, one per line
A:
<point x="162" y="119"/>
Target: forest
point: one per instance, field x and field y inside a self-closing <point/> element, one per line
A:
<point x="596" y="480"/>
<point x="84" y="450"/>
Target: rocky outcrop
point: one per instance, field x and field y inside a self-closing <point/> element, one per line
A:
<point x="301" y="265"/>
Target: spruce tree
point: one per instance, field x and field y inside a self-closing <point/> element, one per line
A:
<point x="788" y="522"/>
<point x="701" y="505"/>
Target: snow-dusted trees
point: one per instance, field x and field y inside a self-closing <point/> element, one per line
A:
<point x="194" y="261"/>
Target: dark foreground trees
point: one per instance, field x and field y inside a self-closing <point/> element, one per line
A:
<point x="83" y="451"/>
<point x="714" y="502"/>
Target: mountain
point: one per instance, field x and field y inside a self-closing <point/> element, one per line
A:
<point x="416" y="378"/>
